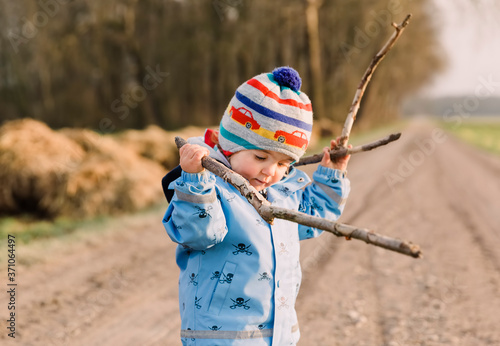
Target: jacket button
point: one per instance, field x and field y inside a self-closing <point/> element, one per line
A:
<point x="300" y="180"/>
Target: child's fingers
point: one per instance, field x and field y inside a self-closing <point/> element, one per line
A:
<point x="338" y="163"/>
<point x="333" y="142"/>
<point x="326" y="153"/>
<point x="192" y="150"/>
<point x="199" y="154"/>
<point x="190" y="157"/>
<point x="325" y="161"/>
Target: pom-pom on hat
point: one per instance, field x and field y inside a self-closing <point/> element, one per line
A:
<point x="268" y="112"/>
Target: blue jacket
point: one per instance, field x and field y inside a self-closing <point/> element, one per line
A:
<point x="240" y="276"/>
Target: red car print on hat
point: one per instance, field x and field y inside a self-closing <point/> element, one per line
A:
<point x="296" y="138"/>
<point x="244" y="117"/>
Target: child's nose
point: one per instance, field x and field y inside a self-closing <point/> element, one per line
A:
<point x="269" y="170"/>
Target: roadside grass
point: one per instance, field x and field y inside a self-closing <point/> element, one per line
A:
<point x="483" y="133"/>
<point x="28" y="229"/>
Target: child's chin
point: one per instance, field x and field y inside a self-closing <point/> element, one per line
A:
<point x="259" y="187"/>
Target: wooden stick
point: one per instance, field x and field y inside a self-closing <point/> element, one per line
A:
<point x="341" y="151"/>
<point x="269" y="212"/>
<point x="346" y="131"/>
<point x="343" y="230"/>
<point x="235" y="179"/>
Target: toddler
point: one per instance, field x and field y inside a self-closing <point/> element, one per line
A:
<point x="240" y="276"/>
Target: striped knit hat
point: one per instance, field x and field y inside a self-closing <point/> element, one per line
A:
<point x="268" y="112"/>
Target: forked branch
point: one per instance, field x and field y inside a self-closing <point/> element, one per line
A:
<point x="346" y="131"/>
<point x="270" y="212"/>
<point x="342" y="151"/>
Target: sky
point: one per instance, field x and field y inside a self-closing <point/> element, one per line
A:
<point x="470" y="35"/>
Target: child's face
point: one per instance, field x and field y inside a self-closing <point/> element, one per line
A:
<point x="262" y="168"/>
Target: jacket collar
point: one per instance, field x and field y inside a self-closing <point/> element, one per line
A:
<point x="293" y="181"/>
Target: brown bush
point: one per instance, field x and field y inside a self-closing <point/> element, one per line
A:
<point x="156" y="144"/>
<point x="111" y="178"/>
<point x="73" y="172"/>
<point x="152" y="143"/>
<point x="35" y="164"/>
<point x="191" y="131"/>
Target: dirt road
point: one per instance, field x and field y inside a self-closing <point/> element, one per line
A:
<point x="118" y="285"/>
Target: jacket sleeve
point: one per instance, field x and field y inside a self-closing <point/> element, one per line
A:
<point x="194" y="217"/>
<point x="324" y="198"/>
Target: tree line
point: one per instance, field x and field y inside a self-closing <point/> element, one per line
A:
<point x="120" y="64"/>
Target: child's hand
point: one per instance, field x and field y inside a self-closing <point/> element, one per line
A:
<point x="340" y="163"/>
<point x="190" y="158"/>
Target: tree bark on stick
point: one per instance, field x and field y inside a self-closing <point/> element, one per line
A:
<point x="341" y="151"/>
<point x="343" y="230"/>
<point x="346" y="131"/>
<point x="269" y="212"/>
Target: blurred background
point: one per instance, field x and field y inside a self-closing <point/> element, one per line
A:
<point x="129" y="64"/>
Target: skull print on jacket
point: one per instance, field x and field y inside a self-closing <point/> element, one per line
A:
<point x="239" y="278"/>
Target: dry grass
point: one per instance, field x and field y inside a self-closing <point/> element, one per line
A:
<point x="157" y="144"/>
<point x="152" y="143"/>
<point x="111" y="178"/>
<point x="34" y="163"/>
<point x="72" y="172"/>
